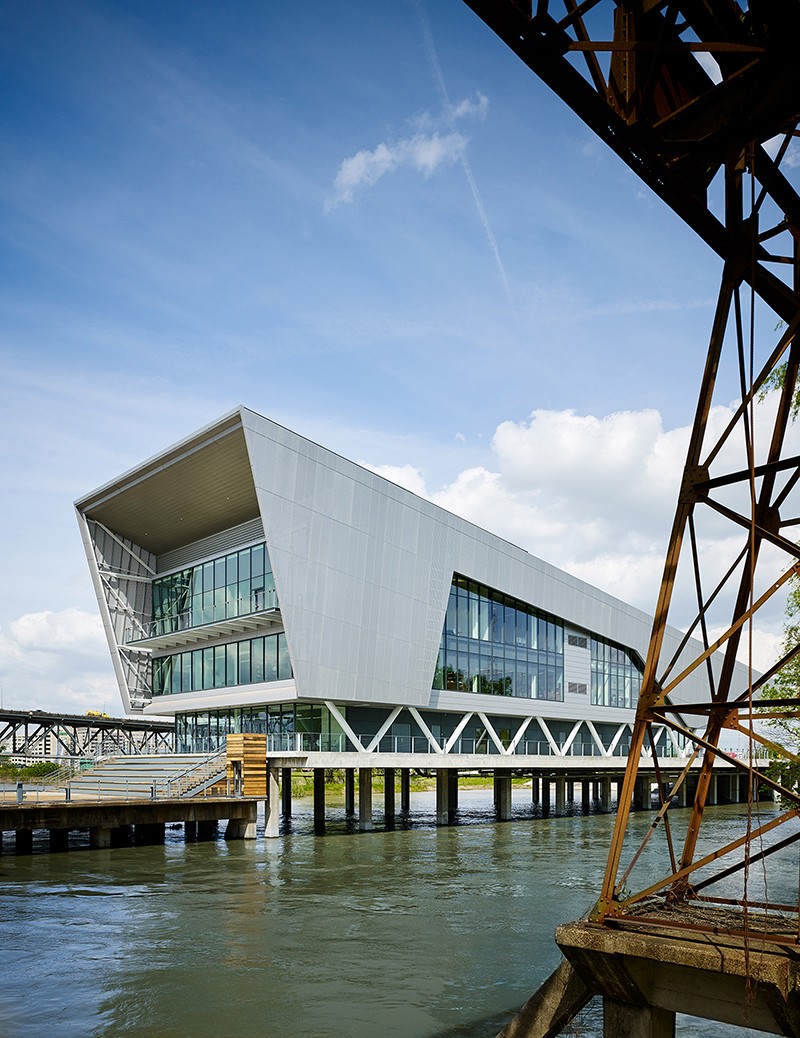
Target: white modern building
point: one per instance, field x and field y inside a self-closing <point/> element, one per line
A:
<point x="252" y="581"/>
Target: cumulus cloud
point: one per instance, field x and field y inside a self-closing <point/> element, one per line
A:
<point x="57" y="661"/>
<point x="596" y="496"/>
<point x="435" y="143"/>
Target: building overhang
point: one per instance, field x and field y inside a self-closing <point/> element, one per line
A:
<point x="195" y="488"/>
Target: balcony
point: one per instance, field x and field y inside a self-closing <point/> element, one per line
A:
<point x="258" y="614"/>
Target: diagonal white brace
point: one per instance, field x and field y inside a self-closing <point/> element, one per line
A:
<point x="493" y="735"/>
<point x="426" y="730"/>
<point x="462" y="724"/>
<point x="348" y="731"/>
<point x="384" y="728"/>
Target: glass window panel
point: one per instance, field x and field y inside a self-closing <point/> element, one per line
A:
<point x="197" y="670"/>
<point x="257" y="659"/>
<point x="542" y="634"/>
<point x="219" y="573"/>
<point x="284" y="665"/>
<point x="270" y="659"/>
<point x="186" y="672"/>
<point x="232" y="568"/>
<point x="462" y="628"/>
<point x="232" y="664"/>
<point x="484" y="620"/>
<point x="451" y="620"/>
<point x="208" y="667"/>
<point x="244" y="663"/>
<point x="257" y="560"/>
<point x="244" y="565"/>
<point x="219" y="666"/>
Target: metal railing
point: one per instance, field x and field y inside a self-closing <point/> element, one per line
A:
<point x="196" y="778"/>
<point x="259" y="602"/>
<point x="310" y="742"/>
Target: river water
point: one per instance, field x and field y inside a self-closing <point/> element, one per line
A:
<point x="419" y="932"/>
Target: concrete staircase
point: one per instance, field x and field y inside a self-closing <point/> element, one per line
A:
<point x="145" y="777"/>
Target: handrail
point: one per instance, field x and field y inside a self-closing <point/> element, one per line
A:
<point x="178" y="785"/>
<point x="192" y="618"/>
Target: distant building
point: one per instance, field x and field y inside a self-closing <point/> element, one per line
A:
<point x="251" y="580"/>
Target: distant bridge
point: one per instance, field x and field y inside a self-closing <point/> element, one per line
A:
<point x="36" y="733"/>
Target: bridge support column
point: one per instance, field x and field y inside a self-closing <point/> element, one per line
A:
<point x="242" y="828"/>
<point x="59" y="840"/>
<point x="502" y="793"/>
<point x="561" y="797"/>
<point x="712" y="794"/>
<point x="23" y="841"/>
<point x="388" y="796"/>
<point x="535" y="789"/>
<point x="365" y="799"/>
<point x="100" y="837"/>
<point x="638" y="794"/>
<point x="190" y="831"/>
<point x="453" y="792"/>
<point x="621" y="1020"/>
<point x="272" y="812"/>
<point x="349" y="792"/>
<point x="405" y="790"/>
<point x="207" y="830"/>
<point x="586" y="801"/>
<point x="446" y="787"/>
<point x="570" y="791"/>
<point x="286" y="792"/>
<point x="605" y="795"/>
<point x="319" y="800"/>
<point x="545" y="798"/>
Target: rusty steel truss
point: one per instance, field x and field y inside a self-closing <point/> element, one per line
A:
<point x="701" y="99"/>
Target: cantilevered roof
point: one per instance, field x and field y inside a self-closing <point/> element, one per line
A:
<point x="193" y="489"/>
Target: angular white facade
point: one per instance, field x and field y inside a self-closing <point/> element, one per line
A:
<point x="362" y="574"/>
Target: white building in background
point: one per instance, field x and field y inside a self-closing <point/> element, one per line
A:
<point x="251" y="580"/>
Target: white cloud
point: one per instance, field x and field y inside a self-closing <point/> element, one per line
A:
<point x="596" y="496"/>
<point x="57" y="661"/>
<point x="405" y="476"/>
<point x="435" y="143"/>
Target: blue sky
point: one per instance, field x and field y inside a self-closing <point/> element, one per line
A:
<point x="368" y="221"/>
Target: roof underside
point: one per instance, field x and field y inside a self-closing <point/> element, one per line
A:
<point x="197" y="488"/>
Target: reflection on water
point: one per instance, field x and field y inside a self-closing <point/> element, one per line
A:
<point x="413" y="933"/>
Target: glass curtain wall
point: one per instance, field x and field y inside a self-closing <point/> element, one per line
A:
<point x="205" y="731"/>
<point x="222" y="666"/>
<point x="235" y="584"/>
<point x="496" y="645"/>
<point x="616" y="674"/>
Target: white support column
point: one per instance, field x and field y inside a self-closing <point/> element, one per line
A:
<point x="273" y="804"/>
<point x="365" y="799"/>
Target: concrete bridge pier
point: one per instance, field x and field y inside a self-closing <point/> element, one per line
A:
<point x="620" y="1018"/>
<point x="545" y="798"/>
<point x="207" y="830"/>
<point x="535" y="795"/>
<point x="605" y="795"/>
<point x="502" y="793"/>
<point x="446" y="795"/>
<point x="388" y="797"/>
<point x="59" y="840"/>
<point x="272" y="805"/>
<point x="349" y="792"/>
<point x="405" y="790"/>
<point x="23" y="841"/>
<point x="243" y="828"/>
<point x="190" y="831"/>
<point x="561" y="797"/>
<point x="365" y="799"/>
<point x="100" y="837"/>
<point x="286" y="792"/>
<point x="319" y="800"/>
<point x="586" y="802"/>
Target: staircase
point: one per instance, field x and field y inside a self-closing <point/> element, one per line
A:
<point x="145" y="777"/>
